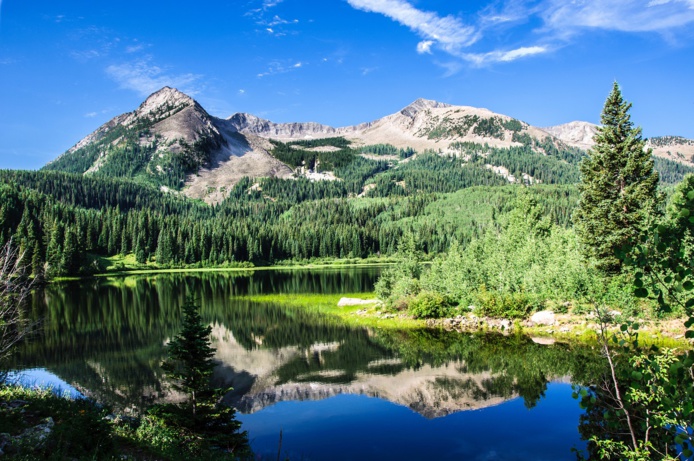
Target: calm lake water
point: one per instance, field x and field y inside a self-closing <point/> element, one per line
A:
<point x="335" y="392"/>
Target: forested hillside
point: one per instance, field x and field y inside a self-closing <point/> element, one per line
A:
<point x="66" y="223"/>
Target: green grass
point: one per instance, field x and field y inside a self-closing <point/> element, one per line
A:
<point x="327" y="304"/>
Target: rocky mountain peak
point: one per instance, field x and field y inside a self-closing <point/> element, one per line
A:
<point x="420" y="105"/>
<point x="165" y="100"/>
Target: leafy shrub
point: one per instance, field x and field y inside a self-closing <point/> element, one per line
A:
<point x="428" y="304"/>
<point x="516" y="305"/>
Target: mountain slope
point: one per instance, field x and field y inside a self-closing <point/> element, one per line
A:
<point x="576" y="134"/>
<point x="172" y="142"/>
<point x="422" y="125"/>
<point x="168" y="135"/>
<point x="166" y="141"/>
<point x="580" y="134"/>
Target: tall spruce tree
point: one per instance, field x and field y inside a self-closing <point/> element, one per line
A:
<point x="190" y="366"/>
<point x="618" y="186"/>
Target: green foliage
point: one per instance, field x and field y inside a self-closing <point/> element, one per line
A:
<point x="669" y="171"/>
<point x="618" y="187"/>
<point x="73" y="420"/>
<point x="507" y="272"/>
<point x="400" y="282"/>
<point x="388" y="149"/>
<point x="430" y="172"/>
<point x="338" y="142"/>
<point x="517" y="305"/>
<point x="189" y="365"/>
<point x="428" y="305"/>
<point x="202" y="423"/>
<point x="541" y="168"/>
<point x="652" y="419"/>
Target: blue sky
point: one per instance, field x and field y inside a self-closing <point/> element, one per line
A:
<point x="66" y="67"/>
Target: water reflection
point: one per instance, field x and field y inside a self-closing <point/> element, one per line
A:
<point x="106" y="338"/>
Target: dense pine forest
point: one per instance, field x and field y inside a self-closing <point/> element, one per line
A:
<point x="67" y="223"/>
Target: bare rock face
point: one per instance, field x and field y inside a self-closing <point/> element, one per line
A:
<point x="576" y="134"/>
<point x="420" y="105"/>
<point x="250" y="124"/>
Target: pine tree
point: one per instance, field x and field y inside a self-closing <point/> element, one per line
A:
<point x="189" y="366"/>
<point x="618" y="186"/>
<point x="189" y="363"/>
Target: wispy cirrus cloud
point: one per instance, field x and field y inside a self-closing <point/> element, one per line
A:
<point x="560" y="22"/>
<point x="620" y="15"/>
<point x="144" y="77"/>
<point x="280" y="67"/>
<point x="267" y="4"/>
<point x="274" y="25"/>
<point x="448" y="31"/>
<point x="505" y="56"/>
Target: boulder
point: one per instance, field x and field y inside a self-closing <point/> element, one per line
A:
<point x="543" y="318"/>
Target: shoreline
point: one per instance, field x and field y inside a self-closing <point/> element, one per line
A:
<point x="567" y="328"/>
<point x="337" y="264"/>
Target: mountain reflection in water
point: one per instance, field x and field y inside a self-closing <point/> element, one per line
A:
<point x="106" y="338"/>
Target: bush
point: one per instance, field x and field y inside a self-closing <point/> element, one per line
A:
<point x="517" y="305"/>
<point x="428" y="305"/>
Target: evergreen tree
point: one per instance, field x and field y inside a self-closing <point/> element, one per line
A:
<point x="189" y="366"/>
<point x="190" y="354"/>
<point x="618" y="186"/>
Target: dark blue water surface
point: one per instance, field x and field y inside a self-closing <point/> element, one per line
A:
<point x="336" y="392"/>
<point x="350" y="427"/>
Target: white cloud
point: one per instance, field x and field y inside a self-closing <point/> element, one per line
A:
<point x="504" y="56"/>
<point x="91" y="114"/>
<point x="623" y="15"/>
<point x="450" y="32"/>
<point x="424" y="46"/>
<point x="134" y="48"/>
<point x="562" y="22"/>
<point x="267" y="4"/>
<point x="145" y="78"/>
<point x="276" y="21"/>
<point x="242" y="91"/>
<point x="279" y="67"/>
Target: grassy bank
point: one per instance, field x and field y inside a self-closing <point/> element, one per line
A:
<point x="365" y="315"/>
<point x="568" y="327"/>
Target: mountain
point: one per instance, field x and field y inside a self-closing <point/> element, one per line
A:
<point x="674" y="148"/>
<point x="172" y="142"/>
<point x="422" y="125"/>
<point x="576" y="134"/>
<point x="580" y="134"/>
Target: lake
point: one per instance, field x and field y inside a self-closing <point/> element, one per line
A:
<point x="335" y="391"/>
